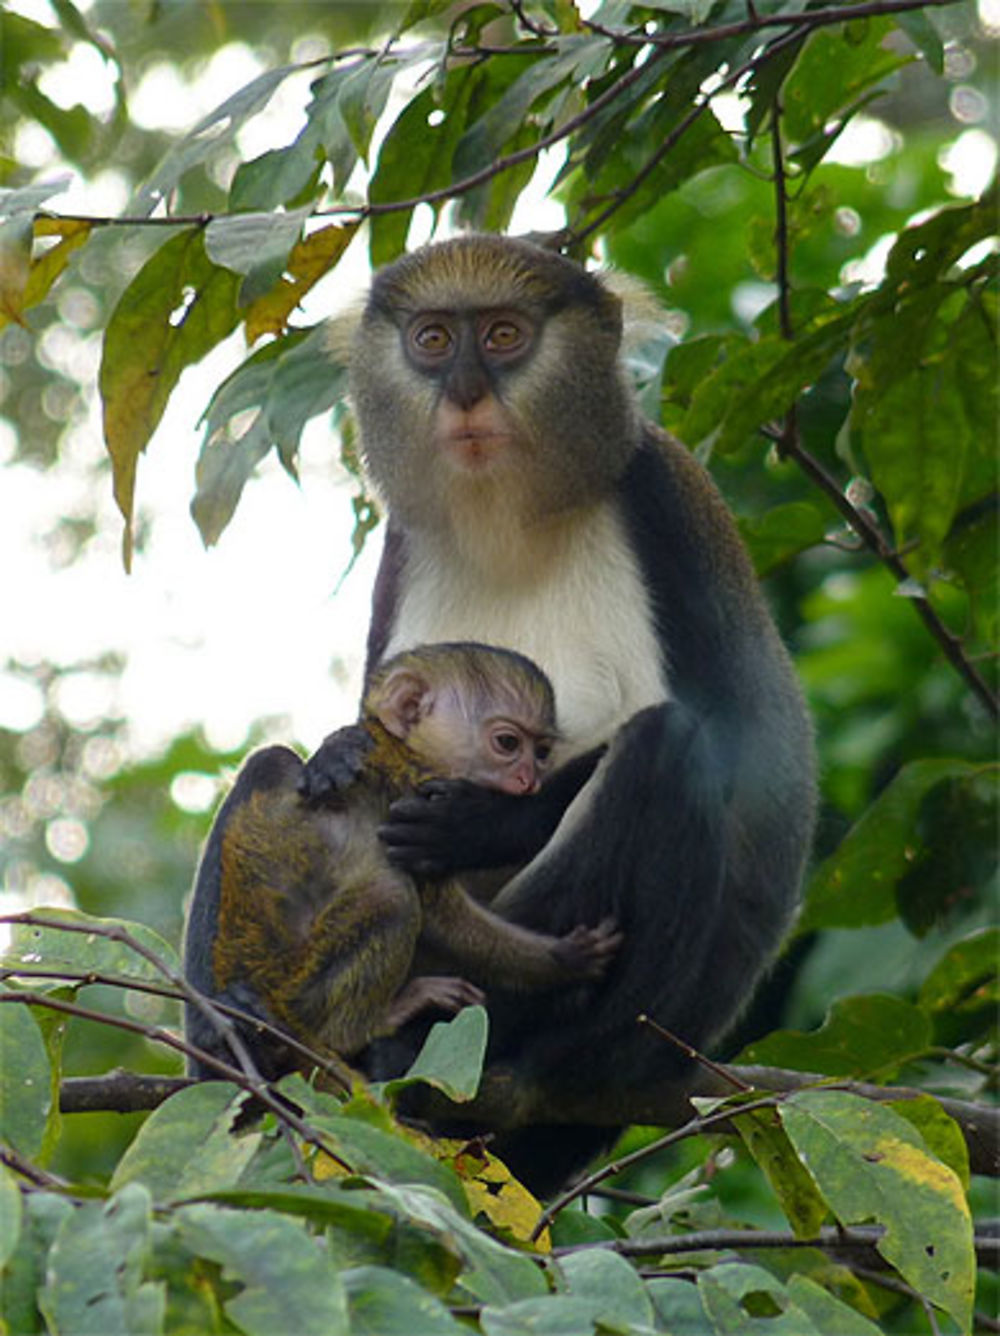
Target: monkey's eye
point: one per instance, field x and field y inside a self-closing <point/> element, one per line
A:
<point x="543" y="752"/>
<point x="431" y="339"/>
<point x="505" y="336"/>
<point x="506" y="742"/>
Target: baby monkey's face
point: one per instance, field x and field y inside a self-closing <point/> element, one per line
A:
<point x="498" y="746"/>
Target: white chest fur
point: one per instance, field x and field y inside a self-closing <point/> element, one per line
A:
<point x="582" y="614"/>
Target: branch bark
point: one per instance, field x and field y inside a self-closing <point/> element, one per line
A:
<point x="502" y="1105"/>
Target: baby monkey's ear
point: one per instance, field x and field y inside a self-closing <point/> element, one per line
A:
<point x="402" y="699"/>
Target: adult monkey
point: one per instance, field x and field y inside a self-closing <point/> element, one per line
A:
<point x="531" y="506"/>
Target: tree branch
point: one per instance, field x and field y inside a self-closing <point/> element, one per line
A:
<point x="808" y="19"/>
<point x="789" y="444"/>
<point x="857" y="1244"/>
<point x="503" y="1106"/>
<point x="661" y="44"/>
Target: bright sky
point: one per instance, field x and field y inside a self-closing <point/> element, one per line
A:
<point x="252" y="628"/>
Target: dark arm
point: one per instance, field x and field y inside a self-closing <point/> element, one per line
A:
<point x="450" y="825"/>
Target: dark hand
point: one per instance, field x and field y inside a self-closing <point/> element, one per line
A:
<point x="337" y="763"/>
<point x="587" y="952"/>
<point x="450" y="825"/>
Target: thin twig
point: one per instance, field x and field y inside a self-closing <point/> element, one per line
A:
<point x="725" y="1073"/>
<point x="676" y="134"/>
<point x="695" y="1127"/>
<point x="115" y="933"/>
<point x="156" y="1034"/>
<point x="789" y="444"/>
<point x="808" y="19"/>
<point x="323" y="1062"/>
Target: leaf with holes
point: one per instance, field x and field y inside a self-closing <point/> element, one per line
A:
<point x="177" y="308"/>
<point x="871" y="1165"/>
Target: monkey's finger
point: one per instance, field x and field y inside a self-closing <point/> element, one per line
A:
<point x="336" y="763"/>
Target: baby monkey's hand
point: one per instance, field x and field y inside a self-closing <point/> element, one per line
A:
<point x="587" y="952"/>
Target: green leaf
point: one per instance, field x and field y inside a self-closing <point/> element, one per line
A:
<point x="177" y="308"/>
<point x="969" y="555"/>
<point x="279" y="176"/>
<point x="579" y="57"/>
<point x="224" y="467"/>
<point x="417" y="154"/>
<point x="856" y="885"/>
<point x="29" y="199"/>
<point x="93" y="1283"/>
<point x="266" y="401"/>
<point x="212" y="133"/>
<point x="383" y="1303"/>
<point x="496" y="1274"/>
<point x="965" y="978"/>
<point x="56" y="948"/>
<point x="324" y="1204"/>
<point x="255" y="244"/>
<point x="186" y="1147"/>
<point x="778" y="534"/>
<point x="916" y="438"/>
<point x="695" y="11"/>
<point x="743" y="1300"/>
<point x="955" y="851"/>
<point x="25" y="1087"/>
<point x="608" y="1283"/>
<point x="859" y="1036"/>
<point x="452" y="1057"/>
<point x="767" y="1141"/>
<point x="10" y="1214"/>
<point x="288" y="1279"/>
<point x="830" y="73"/>
<point x="419" y="10"/>
<point x="362" y="100"/>
<point x="872" y="1165"/>
<point x="387" y="1155"/>
<point x="919" y="28"/>
<point x="42" y="1214"/>
<point x="553" y="1315"/>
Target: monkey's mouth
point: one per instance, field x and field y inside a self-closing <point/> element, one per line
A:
<point x="475" y="449"/>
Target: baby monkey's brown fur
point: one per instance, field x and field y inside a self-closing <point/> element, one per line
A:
<point x="316" y="931"/>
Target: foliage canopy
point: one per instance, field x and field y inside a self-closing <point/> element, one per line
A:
<point x="787" y="180"/>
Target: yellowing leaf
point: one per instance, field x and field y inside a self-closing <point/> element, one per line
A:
<point x="325" y="1166"/>
<point x="872" y="1165"/>
<point x="493" y="1191"/>
<point x="15" y="264"/>
<point x="310" y="259"/>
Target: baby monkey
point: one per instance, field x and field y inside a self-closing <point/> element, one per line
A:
<point x="299" y="918"/>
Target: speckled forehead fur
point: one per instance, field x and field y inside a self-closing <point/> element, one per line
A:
<point x="481" y="674"/>
<point x="472" y="272"/>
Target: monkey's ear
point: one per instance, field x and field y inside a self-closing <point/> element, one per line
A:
<point x="403" y="700"/>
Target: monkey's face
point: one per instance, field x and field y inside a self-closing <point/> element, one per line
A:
<point x="468" y="355"/>
<point x="505" y="750"/>
<point x="485" y="375"/>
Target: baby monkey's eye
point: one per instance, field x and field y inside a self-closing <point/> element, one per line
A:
<point x="543" y="752"/>
<point x="507" y="742"/>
